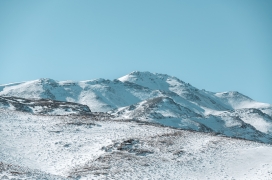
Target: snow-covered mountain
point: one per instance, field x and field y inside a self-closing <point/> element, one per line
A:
<point x="149" y="130"/>
<point x="205" y="99"/>
<point x="161" y="99"/>
<point x="99" y="95"/>
<point x="105" y="95"/>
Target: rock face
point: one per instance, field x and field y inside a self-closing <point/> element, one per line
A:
<point x="43" y="106"/>
<point x="149" y="97"/>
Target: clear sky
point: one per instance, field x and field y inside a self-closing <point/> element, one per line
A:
<point x="217" y="45"/>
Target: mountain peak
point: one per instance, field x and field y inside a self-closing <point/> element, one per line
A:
<point x="146" y="73"/>
<point x="46" y="81"/>
<point x="151" y="80"/>
<point x="233" y="94"/>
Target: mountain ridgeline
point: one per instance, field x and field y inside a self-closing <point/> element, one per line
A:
<point x="149" y="97"/>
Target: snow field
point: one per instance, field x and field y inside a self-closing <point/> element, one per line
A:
<point x="74" y="146"/>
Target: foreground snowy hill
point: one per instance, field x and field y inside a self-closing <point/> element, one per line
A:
<point x="83" y="147"/>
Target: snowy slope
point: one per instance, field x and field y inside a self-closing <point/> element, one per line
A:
<point x="238" y="101"/>
<point x="10" y="171"/>
<point x="99" y="95"/>
<point x="255" y="117"/>
<point x="168" y="83"/>
<point x="206" y="99"/>
<point x="162" y="110"/>
<point x="267" y="111"/>
<point x="156" y="108"/>
<point x="249" y="124"/>
<point x="79" y="147"/>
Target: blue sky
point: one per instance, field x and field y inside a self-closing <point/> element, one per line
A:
<point x="213" y="45"/>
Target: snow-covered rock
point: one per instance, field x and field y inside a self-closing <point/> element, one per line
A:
<point x="43" y="106"/>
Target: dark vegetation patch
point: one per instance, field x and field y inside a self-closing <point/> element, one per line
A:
<point x="131" y="146"/>
<point x="42" y="106"/>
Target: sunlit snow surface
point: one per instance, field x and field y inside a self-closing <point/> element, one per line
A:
<point x="79" y="147"/>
